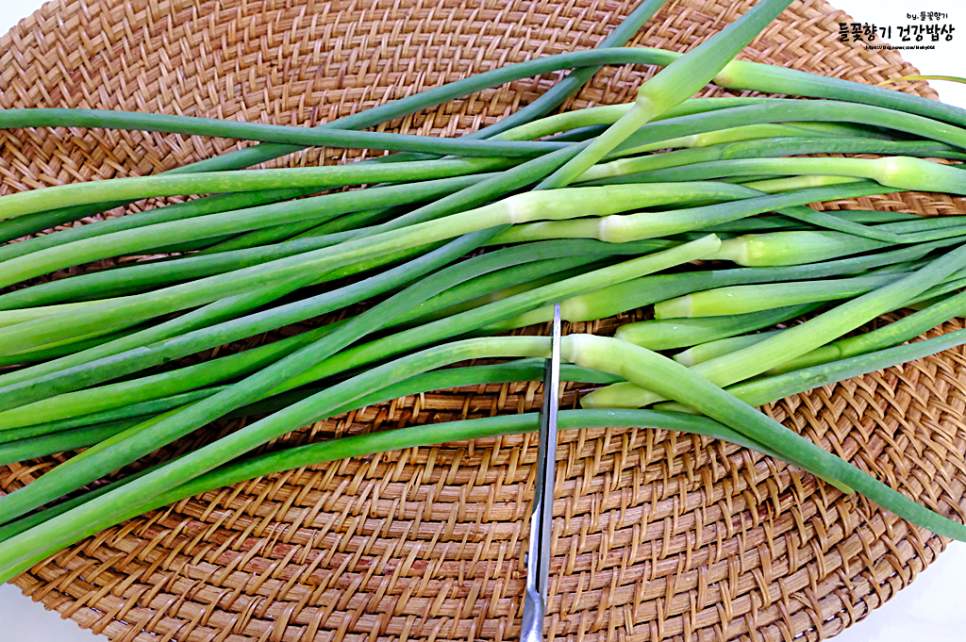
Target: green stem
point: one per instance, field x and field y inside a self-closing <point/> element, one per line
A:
<point x="317" y="178"/>
<point x="144" y="438"/>
<point x="318" y="208"/>
<point x="768" y="389"/>
<point x="402" y="438"/>
<point x="570" y="85"/>
<point x="797" y="110"/>
<point x="113" y="315"/>
<point x="671" y="86"/>
<point x="802" y="338"/>
<point x="22" y="550"/>
<point x="905" y="329"/>
<point x="12" y="452"/>
<point x="684" y="385"/>
<point x="486" y="315"/>
<point x="900" y="172"/>
<point x="712" y="349"/>
<point x="490" y="189"/>
<point x="140" y="352"/>
<point x="637" y="293"/>
<point x="179" y="211"/>
<point x="746" y="299"/>
<point x="494" y="276"/>
<point x="641" y="168"/>
<point x="681" y="333"/>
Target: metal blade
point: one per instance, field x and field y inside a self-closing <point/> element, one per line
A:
<point x="538" y="559"/>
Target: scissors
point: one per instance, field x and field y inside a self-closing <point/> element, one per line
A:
<point x="538" y="557"/>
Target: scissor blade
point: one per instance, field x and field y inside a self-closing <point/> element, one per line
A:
<point x="538" y="560"/>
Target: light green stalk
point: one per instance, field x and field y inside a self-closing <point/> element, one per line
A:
<point x="621" y="297"/>
<point x="112" y="315"/>
<point x="712" y="349"/>
<point x="681" y="333"/>
<point x="684" y="385"/>
<point x="900" y="172"/>
<point x="797" y="340"/>
<point x="319" y="178"/>
<point x="673" y="85"/>
<point x="905" y="329"/>
<point x="745" y="299"/>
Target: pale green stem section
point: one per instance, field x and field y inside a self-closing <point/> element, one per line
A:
<point x="905" y="329"/>
<point x="778" y="185"/>
<point x="745" y="299"/>
<point x="637" y="293"/>
<point x="610" y="114"/>
<point x="684" y="385"/>
<point x="620" y="228"/>
<point x="672" y="86"/>
<point x="797" y="340"/>
<point x="792" y="248"/>
<point x="696" y="141"/>
<point x="681" y="333"/>
<point x="900" y="172"/>
<point x="707" y="351"/>
<point x="114" y="314"/>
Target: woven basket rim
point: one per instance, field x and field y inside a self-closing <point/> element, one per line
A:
<point x="658" y="536"/>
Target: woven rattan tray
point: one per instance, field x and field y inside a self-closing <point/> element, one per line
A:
<point x="657" y="536"/>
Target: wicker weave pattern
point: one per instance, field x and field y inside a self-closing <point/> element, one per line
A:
<point x="657" y="536"/>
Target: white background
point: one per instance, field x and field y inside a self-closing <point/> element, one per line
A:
<point x="932" y="608"/>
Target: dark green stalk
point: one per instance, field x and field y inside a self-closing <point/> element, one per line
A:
<point x="12" y="452"/>
<point x="162" y="384"/>
<point x="410" y="437"/>
<point x="570" y="85"/>
<point x="66" y="349"/>
<point x="317" y="208"/>
<point x="836" y="223"/>
<point x="304" y="229"/>
<point x="514" y="371"/>
<point x="314" y="178"/>
<point x="149" y="436"/>
<point x="139" y="411"/>
<point x="40" y="382"/>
